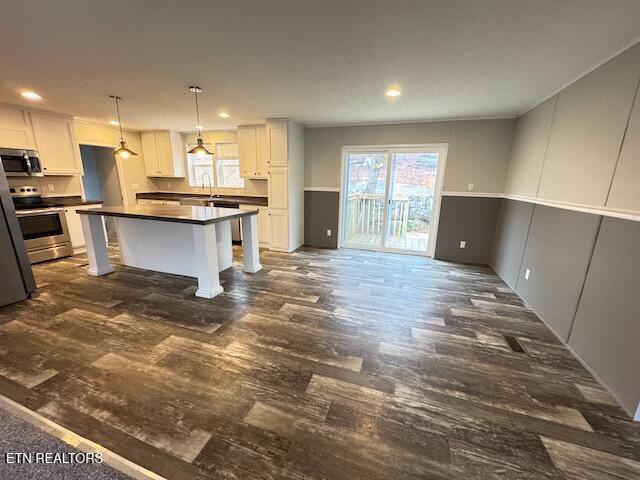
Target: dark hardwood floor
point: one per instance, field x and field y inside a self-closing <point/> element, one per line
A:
<point x="327" y="364"/>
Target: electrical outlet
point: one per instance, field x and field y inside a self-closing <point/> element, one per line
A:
<point x="470" y="187"/>
<point x="135" y="185"/>
<point x="527" y="272"/>
<point x="168" y="184"/>
<point x="328" y="232"/>
<point x="50" y="187"/>
<point x="463" y="244"/>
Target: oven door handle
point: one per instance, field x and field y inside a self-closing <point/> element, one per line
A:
<point x="40" y="211"/>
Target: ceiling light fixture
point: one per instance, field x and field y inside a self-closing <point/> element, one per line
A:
<point x="224" y="114"/>
<point x="392" y="92"/>
<point x="199" y="127"/>
<point x="115" y="123"/>
<point x="198" y="149"/>
<point x="31" y="95"/>
<point x="121" y="150"/>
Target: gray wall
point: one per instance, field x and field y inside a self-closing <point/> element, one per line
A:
<point x="478" y="150"/>
<point x="472" y="219"/>
<point x="584" y="284"/>
<point x="607" y="325"/>
<point x="91" y="180"/>
<point x="557" y="254"/>
<point x="581" y="146"/>
<point x="321" y="214"/>
<point x="478" y="154"/>
<point x="512" y="228"/>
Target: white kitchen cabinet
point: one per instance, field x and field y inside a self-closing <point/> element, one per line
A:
<point x="278" y="187"/>
<point x="263" y="152"/>
<point x="279" y="229"/>
<point x="163" y="153"/>
<point x="74" y="225"/>
<point x="264" y="226"/>
<point x="264" y="223"/>
<point x="56" y="144"/>
<point x="285" y="147"/>
<point x="248" y="151"/>
<point x="252" y="149"/>
<point x="277" y="143"/>
<point x="15" y="128"/>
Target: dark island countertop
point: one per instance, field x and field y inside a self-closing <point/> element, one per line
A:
<point x="172" y="213"/>
<point x="176" y="196"/>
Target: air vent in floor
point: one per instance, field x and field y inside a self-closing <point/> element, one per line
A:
<point x="513" y="343"/>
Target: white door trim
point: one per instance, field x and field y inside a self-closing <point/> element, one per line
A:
<point x="443" y="150"/>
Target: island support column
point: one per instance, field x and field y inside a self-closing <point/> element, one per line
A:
<point x="250" y="244"/>
<point x="206" y="252"/>
<point x="93" y="229"/>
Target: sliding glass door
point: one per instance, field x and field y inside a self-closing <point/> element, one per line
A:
<point x="390" y="198"/>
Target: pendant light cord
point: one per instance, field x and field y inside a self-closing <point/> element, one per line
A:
<point x="119" y="121"/>
<point x="195" y="92"/>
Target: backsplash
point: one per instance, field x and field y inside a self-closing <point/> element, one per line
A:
<point x="51" y="186"/>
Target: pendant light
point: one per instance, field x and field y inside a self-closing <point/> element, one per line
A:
<point x="122" y="150"/>
<point x="198" y="149"/>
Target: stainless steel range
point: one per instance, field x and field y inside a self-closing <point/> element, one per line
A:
<point x="43" y="224"/>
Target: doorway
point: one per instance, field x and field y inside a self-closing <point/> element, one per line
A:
<point x="101" y="180"/>
<point x="391" y="197"/>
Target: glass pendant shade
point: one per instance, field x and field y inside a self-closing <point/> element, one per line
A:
<point x="123" y="151"/>
<point x="199" y="149"/>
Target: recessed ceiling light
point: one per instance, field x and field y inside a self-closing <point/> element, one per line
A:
<point x="224" y="115"/>
<point x="392" y="92"/>
<point x="199" y="127"/>
<point x="31" y="95"/>
<point x="114" y="122"/>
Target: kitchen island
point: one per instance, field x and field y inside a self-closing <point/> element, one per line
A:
<point x="182" y="240"/>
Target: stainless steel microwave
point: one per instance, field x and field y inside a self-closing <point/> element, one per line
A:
<point x="21" y="163"/>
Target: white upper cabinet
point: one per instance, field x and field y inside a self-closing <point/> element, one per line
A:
<point x="15" y="128"/>
<point x="56" y="144"/>
<point x="277" y="144"/>
<point x="252" y="146"/>
<point x="247" y="148"/>
<point x="262" y="151"/>
<point x="163" y="153"/>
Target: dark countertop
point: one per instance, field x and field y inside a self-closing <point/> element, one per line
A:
<point x="172" y="213"/>
<point x="241" y="199"/>
<point x="72" y="201"/>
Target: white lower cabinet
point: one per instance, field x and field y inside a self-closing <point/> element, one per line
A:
<point x="75" y="226"/>
<point x="279" y="229"/>
<point x="264" y="226"/>
<point x="264" y="223"/>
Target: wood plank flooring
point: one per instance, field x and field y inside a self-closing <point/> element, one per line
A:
<point x="327" y="364"/>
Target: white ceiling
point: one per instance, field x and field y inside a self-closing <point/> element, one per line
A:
<point x="316" y="61"/>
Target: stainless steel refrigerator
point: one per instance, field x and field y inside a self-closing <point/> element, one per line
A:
<point x="16" y="277"/>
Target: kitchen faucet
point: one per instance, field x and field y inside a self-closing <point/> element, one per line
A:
<point x="210" y="187"/>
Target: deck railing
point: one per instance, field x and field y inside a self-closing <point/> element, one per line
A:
<point x="366" y="214"/>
